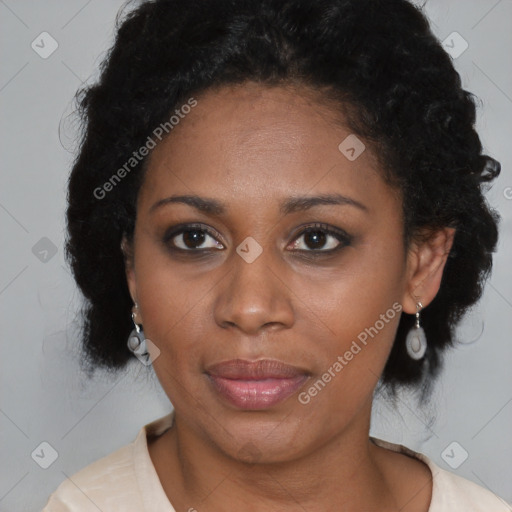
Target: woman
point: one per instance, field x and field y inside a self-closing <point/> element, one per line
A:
<point x="278" y="205"/>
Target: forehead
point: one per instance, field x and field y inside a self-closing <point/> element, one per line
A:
<point x="250" y="145"/>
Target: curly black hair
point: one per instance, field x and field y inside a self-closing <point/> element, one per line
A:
<point x="377" y="61"/>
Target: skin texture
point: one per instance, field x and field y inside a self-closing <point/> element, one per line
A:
<point x="252" y="147"/>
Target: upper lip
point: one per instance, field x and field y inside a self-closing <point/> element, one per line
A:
<point x="254" y="370"/>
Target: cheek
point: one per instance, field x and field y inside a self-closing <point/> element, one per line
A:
<point x="360" y="317"/>
<point x="174" y="319"/>
<point x="366" y="283"/>
<point x="358" y="308"/>
<point x="170" y="303"/>
<point x="361" y="334"/>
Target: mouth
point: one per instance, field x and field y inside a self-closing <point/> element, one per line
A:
<point x="255" y="385"/>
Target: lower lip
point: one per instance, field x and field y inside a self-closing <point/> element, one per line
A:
<point x="256" y="394"/>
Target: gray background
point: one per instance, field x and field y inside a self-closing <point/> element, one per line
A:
<point x="44" y="397"/>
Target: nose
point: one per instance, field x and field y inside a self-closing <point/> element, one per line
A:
<point x="254" y="296"/>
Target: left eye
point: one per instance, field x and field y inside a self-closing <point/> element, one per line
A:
<point x="320" y="238"/>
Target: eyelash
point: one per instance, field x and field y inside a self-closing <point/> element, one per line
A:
<point x="344" y="238"/>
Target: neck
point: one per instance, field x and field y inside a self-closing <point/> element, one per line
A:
<point x="340" y="473"/>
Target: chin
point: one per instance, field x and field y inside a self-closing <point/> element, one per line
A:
<point x="257" y="438"/>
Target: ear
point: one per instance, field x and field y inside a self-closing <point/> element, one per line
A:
<point x="426" y="259"/>
<point x="127" y="250"/>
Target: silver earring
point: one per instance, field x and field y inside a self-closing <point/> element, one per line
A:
<point x="416" y="341"/>
<point x="137" y="341"/>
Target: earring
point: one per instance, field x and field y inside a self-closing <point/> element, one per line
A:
<point x="416" y="341"/>
<point x="137" y="341"/>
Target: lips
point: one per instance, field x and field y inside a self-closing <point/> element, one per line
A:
<point x="255" y="385"/>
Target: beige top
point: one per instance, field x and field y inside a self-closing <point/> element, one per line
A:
<point x="127" y="480"/>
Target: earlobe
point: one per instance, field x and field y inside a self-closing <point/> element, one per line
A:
<point x="426" y="262"/>
<point x="127" y="250"/>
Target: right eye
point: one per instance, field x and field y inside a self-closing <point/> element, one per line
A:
<point x="191" y="238"/>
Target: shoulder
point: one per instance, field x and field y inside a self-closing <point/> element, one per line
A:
<point x="451" y="492"/>
<point x="122" y="480"/>
<point x="98" y="485"/>
<point x="455" y="493"/>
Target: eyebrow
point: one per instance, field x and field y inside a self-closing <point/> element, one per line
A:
<point x="290" y="205"/>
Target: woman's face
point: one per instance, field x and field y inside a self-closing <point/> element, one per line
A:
<point x="246" y="282"/>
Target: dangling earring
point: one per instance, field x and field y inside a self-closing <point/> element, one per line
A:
<point x="137" y="341"/>
<point x="416" y="341"/>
